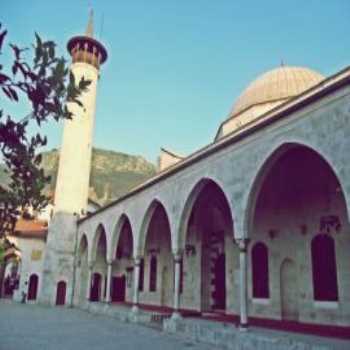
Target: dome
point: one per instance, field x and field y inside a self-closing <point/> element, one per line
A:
<point x="274" y="86"/>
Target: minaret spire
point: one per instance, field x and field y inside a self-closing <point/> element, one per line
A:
<point x="85" y="48"/>
<point x="90" y="27"/>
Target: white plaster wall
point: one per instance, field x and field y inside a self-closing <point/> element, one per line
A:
<point x="29" y="266"/>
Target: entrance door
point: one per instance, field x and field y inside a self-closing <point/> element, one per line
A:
<point x="33" y="287"/>
<point x="95" y="287"/>
<point x="118" y="288"/>
<point x="219" y="294"/>
<point x="289" y="291"/>
<point x="61" y="293"/>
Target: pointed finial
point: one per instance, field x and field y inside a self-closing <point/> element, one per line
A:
<point x="282" y="63"/>
<point x="90" y="27"/>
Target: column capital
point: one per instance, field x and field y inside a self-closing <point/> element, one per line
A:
<point x="109" y="261"/>
<point x="177" y="257"/>
<point x="137" y="261"/>
<point x="242" y="243"/>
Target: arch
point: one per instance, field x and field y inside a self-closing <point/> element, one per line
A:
<point x="122" y="221"/>
<point x="264" y="169"/>
<point x="33" y="287"/>
<point x="206" y="239"/>
<point x="260" y="271"/>
<point x="61" y="293"/>
<point x="324" y="268"/>
<point x="100" y="234"/>
<point x="141" y="243"/>
<point x="187" y="209"/>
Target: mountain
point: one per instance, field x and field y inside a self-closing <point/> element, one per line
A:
<point x="112" y="173"/>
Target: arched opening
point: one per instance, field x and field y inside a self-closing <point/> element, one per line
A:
<point x="324" y="270"/>
<point x="61" y="293"/>
<point x="122" y="268"/>
<point x="83" y="269"/>
<point x="296" y="197"/>
<point x="33" y="287"/>
<point x="100" y="266"/>
<point x="260" y="271"/>
<point x="208" y="249"/>
<point x="158" y="260"/>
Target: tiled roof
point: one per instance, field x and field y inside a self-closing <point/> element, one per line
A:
<point x="31" y="228"/>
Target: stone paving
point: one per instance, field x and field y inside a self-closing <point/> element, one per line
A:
<point x="35" y="327"/>
<point x="29" y="327"/>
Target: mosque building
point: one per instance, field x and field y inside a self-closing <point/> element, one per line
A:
<point x="253" y="226"/>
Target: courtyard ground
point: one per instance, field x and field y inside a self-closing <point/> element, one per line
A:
<point x="29" y="327"/>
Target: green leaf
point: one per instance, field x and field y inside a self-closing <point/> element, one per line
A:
<point x="3" y="78"/>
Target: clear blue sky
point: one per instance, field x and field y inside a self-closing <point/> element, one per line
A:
<point x="175" y="68"/>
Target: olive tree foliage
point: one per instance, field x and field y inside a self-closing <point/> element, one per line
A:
<point x="38" y="77"/>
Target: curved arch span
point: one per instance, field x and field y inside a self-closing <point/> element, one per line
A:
<point x="150" y="212"/>
<point x="198" y="188"/>
<point x="264" y="170"/>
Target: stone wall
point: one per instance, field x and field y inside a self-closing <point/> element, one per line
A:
<point x="322" y="126"/>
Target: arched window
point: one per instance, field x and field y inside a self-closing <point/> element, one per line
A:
<point x="142" y="274"/>
<point x="153" y="274"/>
<point x="324" y="270"/>
<point x="260" y="266"/>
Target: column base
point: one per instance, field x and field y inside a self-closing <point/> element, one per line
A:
<point x="135" y="309"/>
<point x="243" y="327"/>
<point x="176" y="316"/>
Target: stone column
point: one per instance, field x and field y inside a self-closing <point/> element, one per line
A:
<point x="109" y="279"/>
<point x="137" y="266"/>
<point x="243" y="283"/>
<point x="177" y="279"/>
<point x="89" y="280"/>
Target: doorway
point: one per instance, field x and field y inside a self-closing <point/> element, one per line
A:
<point x="61" y="293"/>
<point x="219" y="293"/>
<point x="95" y="287"/>
<point x="118" y="288"/>
<point x="33" y="287"/>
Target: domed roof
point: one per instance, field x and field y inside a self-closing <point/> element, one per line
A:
<point x="278" y="84"/>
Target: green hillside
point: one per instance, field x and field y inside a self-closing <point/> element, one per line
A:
<point x="112" y="173"/>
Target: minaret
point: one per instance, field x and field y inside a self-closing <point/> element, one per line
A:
<point x="72" y="186"/>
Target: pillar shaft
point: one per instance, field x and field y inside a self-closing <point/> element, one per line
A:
<point x="243" y="283"/>
<point x="177" y="261"/>
<point x="109" y="278"/>
<point x="89" y="281"/>
<point x="136" y="281"/>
